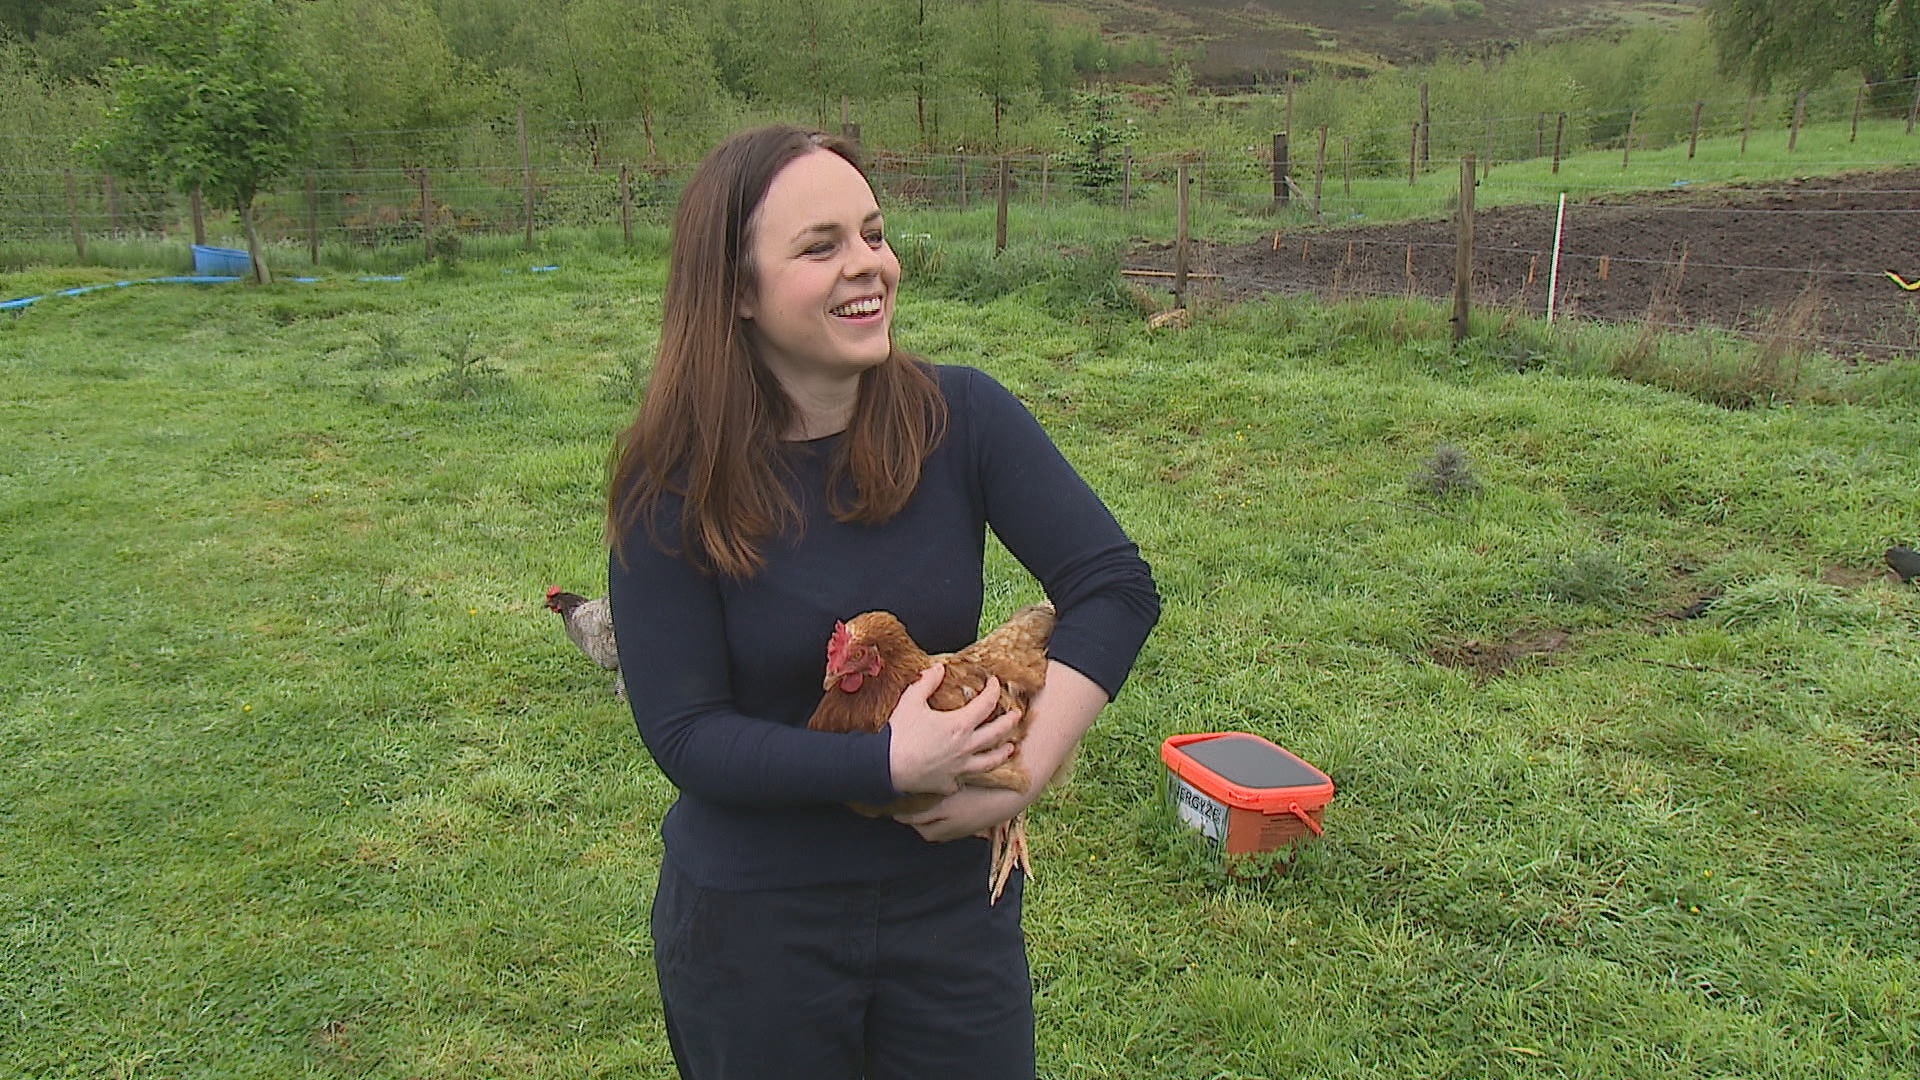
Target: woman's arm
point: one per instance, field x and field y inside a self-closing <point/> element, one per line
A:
<point x="1062" y="711"/>
<point x="671" y="631"/>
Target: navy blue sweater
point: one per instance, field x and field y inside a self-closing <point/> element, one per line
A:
<point x="722" y="674"/>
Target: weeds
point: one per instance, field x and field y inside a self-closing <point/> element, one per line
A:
<point x="389" y="348"/>
<point x="1447" y="474"/>
<point x="1591" y="577"/>
<point x="466" y="373"/>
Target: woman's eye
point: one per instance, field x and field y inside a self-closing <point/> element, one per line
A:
<point x="822" y="247"/>
<point x="876" y="238"/>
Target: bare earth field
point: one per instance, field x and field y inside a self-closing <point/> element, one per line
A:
<point x="1731" y="257"/>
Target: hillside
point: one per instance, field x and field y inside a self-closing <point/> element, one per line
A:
<point x="1242" y="41"/>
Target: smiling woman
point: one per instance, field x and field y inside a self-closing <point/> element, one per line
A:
<point x="821" y="307"/>
<point x="790" y="468"/>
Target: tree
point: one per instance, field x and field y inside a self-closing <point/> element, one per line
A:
<point x="1099" y="137"/>
<point x="998" y="54"/>
<point x="1804" y="42"/>
<point x="386" y="66"/>
<point x="206" y="95"/>
<point x="800" y="52"/>
<point x="639" y="58"/>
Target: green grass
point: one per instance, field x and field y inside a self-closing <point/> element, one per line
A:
<point x="299" y="778"/>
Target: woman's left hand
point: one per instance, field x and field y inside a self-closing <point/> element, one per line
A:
<point x="967" y="812"/>
<point x="1062" y="711"/>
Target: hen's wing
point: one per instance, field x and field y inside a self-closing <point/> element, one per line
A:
<point x="1016" y="651"/>
<point x="590" y="626"/>
<point x="1016" y="654"/>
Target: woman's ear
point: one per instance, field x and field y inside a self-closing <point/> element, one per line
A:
<point x="743" y="306"/>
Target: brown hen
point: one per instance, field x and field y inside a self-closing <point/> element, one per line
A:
<point x="871" y="660"/>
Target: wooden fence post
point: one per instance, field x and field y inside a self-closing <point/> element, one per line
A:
<point x="1000" y="211"/>
<point x="313" y="220"/>
<point x="426" y="212"/>
<point x="1913" y="111"/>
<point x="1180" y="239"/>
<point x="1559" y="130"/>
<point x="1693" y="141"/>
<point x="1859" y="99"/>
<point x="1282" y="170"/>
<point x="1626" y="155"/>
<point x="963" y="181"/>
<point x="1319" y="170"/>
<point x="526" y="177"/>
<point x="1413" y="155"/>
<point x="1746" y="128"/>
<point x="626" y="203"/>
<point x="1463" y="253"/>
<point x="1799" y="117"/>
<point x="1426" y="128"/>
<point x="199" y="216"/>
<point x="1126" y="177"/>
<point x="73" y="218"/>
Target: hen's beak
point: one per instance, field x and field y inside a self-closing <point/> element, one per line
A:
<point x="832" y="678"/>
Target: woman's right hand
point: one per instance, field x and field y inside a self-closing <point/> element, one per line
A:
<point x="930" y="750"/>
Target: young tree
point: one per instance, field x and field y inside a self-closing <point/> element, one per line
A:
<point x="386" y="66"/>
<point x="639" y="58"/>
<point x="1806" y="41"/>
<point x="206" y="95"/>
<point x="918" y="34"/>
<point x="998" y="54"/>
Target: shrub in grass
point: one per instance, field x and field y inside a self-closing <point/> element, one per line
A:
<point x="389" y="349"/>
<point x="1591" y="577"/>
<point x="1447" y="474"/>
<point x="467" y="373"/>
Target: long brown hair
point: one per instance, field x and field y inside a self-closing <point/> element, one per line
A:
<point x="709" y="426"/>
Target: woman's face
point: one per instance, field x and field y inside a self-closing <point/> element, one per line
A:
<point x="824" y="277"/>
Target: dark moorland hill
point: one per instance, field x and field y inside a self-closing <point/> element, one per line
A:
<point x="1243" y="41"/>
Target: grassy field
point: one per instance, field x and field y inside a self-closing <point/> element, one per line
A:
<point x="297" y="777"/>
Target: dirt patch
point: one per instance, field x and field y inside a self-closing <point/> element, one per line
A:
<point x="1855" y="577"/>
<point x="1489" y="659"/>
<point x="1749" y="252"/>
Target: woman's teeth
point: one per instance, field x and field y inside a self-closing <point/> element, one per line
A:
<point x="854" y="309"/>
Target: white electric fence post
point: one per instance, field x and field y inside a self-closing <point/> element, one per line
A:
<point x="1553" y="272"/>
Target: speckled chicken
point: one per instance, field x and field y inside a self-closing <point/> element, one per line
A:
<point x="590" y="626"/>
<point x="871" y="660"/>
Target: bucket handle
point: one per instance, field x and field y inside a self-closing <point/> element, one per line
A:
<point x="1294" y="809"/>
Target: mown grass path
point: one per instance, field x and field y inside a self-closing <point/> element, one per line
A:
<point x="297" y="777"/>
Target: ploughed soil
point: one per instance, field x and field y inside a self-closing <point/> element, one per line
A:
<point x="1804" y="258"/>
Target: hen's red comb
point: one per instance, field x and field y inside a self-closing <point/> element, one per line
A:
<point x="553" y="591"/>
<point x="838" y="644"/>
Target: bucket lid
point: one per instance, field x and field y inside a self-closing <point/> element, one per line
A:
<point x="1245" y="770"/>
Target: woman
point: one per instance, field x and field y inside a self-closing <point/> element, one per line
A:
<point x="787" y="469"/>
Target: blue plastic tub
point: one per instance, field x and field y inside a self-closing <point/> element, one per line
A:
<point x="222" y="261"/>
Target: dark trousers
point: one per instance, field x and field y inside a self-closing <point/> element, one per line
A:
<point x="911" y="979"/>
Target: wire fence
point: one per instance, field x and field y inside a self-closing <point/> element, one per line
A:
<point x="1637" y="223"/>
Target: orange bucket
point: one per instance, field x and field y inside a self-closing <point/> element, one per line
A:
<point x="1242" y="792"/>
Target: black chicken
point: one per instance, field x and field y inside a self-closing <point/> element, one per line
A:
<point x="1905" y="562"/>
